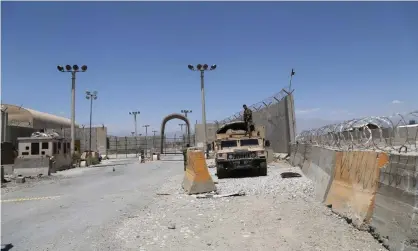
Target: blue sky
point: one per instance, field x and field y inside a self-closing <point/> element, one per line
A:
<point x="351" y="58"/>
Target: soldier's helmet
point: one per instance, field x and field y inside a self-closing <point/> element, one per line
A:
<point x="244" y="106"/>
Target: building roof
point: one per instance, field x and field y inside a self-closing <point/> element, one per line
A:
<point x="25" y="117"/>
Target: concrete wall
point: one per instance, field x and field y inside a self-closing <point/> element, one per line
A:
<point x="279" y="121"/>
<point x="377" y="191"/>
<point x="211" y="132"/>
<point x="14" y="132"/>
<point x="98" y="138"/>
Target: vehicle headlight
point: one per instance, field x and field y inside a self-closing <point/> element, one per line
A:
<point x="261" y="153"/>
<point x="253" y="155"/>
<point x="230" y="156"/>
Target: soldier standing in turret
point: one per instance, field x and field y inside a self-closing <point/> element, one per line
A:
<point x="248" y="119"/>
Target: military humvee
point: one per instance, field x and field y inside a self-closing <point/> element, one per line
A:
<point x="236" y="151"/>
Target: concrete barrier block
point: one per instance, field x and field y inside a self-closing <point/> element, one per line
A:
<point x="396" y="205"/>
<point x="354" y="186"/>
<point x="196" y="176"/>
<point x="28" y="167"/>
<point x="20" y="180"/>
<point x="8" y="169"/>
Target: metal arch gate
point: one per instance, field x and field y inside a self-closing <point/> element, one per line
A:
<point x="168" y="155"/>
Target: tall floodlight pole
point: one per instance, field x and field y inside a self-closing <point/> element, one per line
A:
<point x="153" y="139"/>
<point x="146" y="139"/>
<point x="185" y="112"/>
<point x="73" y="71"/>
<point x="92" y="96"/>
<point x="202" y="69"/>
<point x="135" y="113"/>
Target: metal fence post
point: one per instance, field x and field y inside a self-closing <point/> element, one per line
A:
<point x="136" y="146"/>
<point x="126" y="147"/>
<point x="116" y="140"/>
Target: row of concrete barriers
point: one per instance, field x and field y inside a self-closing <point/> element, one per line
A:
<point x="374" y="190"/>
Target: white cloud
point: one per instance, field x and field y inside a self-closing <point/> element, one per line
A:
<point x="305" y="111"/>
<point x="396" y="101"/>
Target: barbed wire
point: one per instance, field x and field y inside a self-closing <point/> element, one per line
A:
<point x="396" y="133"/>
<point x="276" y="98"/>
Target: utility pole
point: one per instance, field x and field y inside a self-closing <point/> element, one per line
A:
<point x="92" y="96"/>
<point x="146" y="139"/>
<point x="73" y="71"/>
<point x="181" y="127"/>
<point x="153" y="139"/>
<point x="185" y="112"/>
<point x="202" y="69"/>
<point x="135" y="113"/>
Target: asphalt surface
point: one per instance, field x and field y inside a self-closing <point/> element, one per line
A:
<point x="79" y="210"/>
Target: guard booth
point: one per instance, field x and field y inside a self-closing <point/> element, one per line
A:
<point x="42" y="155"/>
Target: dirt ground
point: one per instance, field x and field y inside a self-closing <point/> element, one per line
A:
<point x="274" y="214"/>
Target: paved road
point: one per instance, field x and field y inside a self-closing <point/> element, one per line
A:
<point x="79" y="211"/>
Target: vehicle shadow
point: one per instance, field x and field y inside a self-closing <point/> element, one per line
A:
<point x="239" y="174"/>
<point x="6" y="247"/>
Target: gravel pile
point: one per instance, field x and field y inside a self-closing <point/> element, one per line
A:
<point x="272" y="184"/>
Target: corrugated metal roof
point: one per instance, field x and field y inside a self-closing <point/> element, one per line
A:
<point x="30" y="118"/>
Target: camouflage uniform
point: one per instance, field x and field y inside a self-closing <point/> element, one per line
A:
<point x="248" y="119"/>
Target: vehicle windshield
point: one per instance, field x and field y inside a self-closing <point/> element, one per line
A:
<point x="249" y="142"/>
<point x="228" y="143"/>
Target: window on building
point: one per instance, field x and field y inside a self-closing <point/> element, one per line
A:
<point x="65" y="148"/>
<point x="27" y="148"/>
<point x="43" y="152"/>
<point x="68" y="146"/>
<point x="45" y="145"/>
<point x="55" y="148"/>
<point x="34" y="148"/>
<point x="59" y="145"/>
<point x="25" y="153"/>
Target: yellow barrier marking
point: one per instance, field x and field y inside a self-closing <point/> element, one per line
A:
<point x="27" y="199"/>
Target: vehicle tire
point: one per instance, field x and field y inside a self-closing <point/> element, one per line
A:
<point x="221" y="172"/>
<point x="263" y="169"/>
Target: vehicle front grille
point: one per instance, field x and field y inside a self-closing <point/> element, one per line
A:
<point x="245" y="155"/>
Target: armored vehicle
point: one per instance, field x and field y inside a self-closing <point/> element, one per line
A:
<point x="237" y="150"/>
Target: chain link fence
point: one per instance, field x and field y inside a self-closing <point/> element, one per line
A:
<point x="129" y="147"/>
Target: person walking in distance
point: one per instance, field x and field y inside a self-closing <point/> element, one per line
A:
<point x="248" y="119"/>
<point x="185" y="156"/>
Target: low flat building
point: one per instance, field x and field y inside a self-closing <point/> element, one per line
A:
<point x="22" y="122"/>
